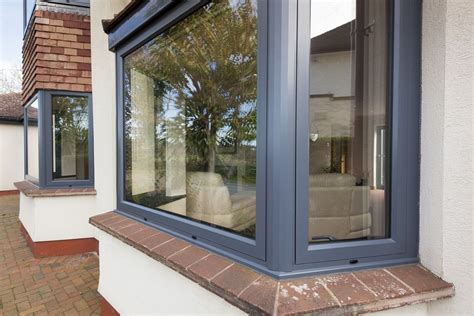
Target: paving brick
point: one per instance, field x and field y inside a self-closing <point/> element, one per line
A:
<point x="49" y="286"/>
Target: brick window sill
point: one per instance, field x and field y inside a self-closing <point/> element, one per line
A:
<point x="253" y="292"/>
<point x="31" y="190"/>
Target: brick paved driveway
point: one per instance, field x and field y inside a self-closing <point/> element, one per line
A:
<point x="50" y="286"/>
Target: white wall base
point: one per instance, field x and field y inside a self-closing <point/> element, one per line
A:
<point x="134" y="283"/>
<point x="57" y="218"/>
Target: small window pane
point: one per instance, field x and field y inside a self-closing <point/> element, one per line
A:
<point x="29" y="5"/>
<point x="190" y="118"/>
<point x="349" y="162"/>
<point x="70" y="128"/>
<point x="32" y="139"/>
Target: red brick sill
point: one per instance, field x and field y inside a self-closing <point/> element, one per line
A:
<point x="31" y="190"/>
<point x="9" y="192"/>
<point x="253" y="292"/>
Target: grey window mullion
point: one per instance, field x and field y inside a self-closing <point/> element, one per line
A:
<point x="281" y="138"/>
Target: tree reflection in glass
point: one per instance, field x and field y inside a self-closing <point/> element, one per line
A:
<point x="190" y="103"/>
<point x="71" y="138"/>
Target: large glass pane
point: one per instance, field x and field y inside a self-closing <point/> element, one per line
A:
<point x="190" y="103"/>
<point x="70" y="128"/>
<point x="349" y="160"/>
<point x="32" y="139"/>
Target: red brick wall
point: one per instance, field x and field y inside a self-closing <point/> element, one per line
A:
<point x="56" y="53"/>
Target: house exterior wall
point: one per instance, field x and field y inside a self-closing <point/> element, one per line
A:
<point x="162" y="291"/>
<point x="446" y="199"/>
<point x="331" y="74"/>
<point x="103" y="83"/>
<point x="118" y="283"/>
<point x="56" y="56"/>
<point x="56" y="51"/>
<point x="446" y="224"/>
<point x="11" y="155"/>
<point x="57" y="218"/>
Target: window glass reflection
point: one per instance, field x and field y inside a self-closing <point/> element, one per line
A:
<point x="32" y="139"/>
<point x="348" y="198"/>
<point x="190" y="118"/>
<point x="70" y="127"/>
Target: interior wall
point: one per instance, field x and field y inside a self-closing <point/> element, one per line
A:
<point x="143" y="144"/>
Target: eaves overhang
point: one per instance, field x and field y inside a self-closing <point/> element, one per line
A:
<point x="136" y="16"/>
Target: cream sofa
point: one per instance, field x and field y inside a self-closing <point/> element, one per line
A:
<point x="337" y="207"/>
<point x="208" y="199"/>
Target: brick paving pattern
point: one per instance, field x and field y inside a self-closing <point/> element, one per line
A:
<point x="49" y="286"/>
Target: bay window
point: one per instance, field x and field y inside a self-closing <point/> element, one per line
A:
<point x="59" y="147"/>
<point x="281" y="134"/>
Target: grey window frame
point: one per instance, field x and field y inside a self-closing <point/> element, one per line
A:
<point x="403" y="141"/>
<point x="26" y="123"/>
<point x="27" y="15"/>
<point x="77" y="3"/>
<point x="282" y="252"/>
<point x="45" y="150"/>
<point x="246" y="249"/>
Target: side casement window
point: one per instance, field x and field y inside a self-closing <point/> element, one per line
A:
<point x="359" y="102"/>
<point x="281" y="134"/>
<point x="59" y="147"/>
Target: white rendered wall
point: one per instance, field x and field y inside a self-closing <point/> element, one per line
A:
<point x="446" y="199"/>
<point x="11" y="155"/>
<point x="103" y="98"/>
<point x="27" y="214"/>
<point x="134" y="283"/>
<point x="57" y="218"/>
